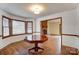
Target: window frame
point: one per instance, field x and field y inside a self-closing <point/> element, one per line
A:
<point x="27" y="27"/>
<point x="3" y="26"/>
<point x="11" y="26"/>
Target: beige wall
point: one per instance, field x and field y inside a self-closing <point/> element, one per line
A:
<point x="53" y="28"/>
<point x="69" y="26"/>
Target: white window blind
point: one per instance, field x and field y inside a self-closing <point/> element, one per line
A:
<point x="5" y="27"/>
<point x="18" y="27"/>
<point x="29" y="27"/>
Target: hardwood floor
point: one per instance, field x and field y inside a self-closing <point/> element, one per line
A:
<point x="52" y="47"/>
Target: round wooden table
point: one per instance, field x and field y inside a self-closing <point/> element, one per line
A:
<point x="36" y="39"/>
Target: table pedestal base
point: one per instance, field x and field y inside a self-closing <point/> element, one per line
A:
<point x="36" y="49"/>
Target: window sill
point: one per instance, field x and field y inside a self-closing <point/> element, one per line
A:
<point x="15" y="35"/>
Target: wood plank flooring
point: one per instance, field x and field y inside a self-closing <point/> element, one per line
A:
<point x="52" y="47"/>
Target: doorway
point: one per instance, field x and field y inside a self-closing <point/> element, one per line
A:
<point x="53" y="29"/>
<point x="52" y="26"/>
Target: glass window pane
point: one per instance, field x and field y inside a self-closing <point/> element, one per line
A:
<point x="29" y="27"/>
<point x="5" y="22"/>
<point x="6" y="32"/>
<point x="5" y="27"/>
<point x="29" y="24"/>
<point x="18" y="27"/>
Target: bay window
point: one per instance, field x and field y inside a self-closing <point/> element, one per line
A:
<point x="12" y="27"/>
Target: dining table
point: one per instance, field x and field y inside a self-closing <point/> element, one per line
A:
<point x="36" y="39"/>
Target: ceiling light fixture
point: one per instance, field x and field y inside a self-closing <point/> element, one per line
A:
<point x="36" y="9"/>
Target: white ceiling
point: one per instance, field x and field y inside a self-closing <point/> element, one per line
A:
<point x="22" y="9"/>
